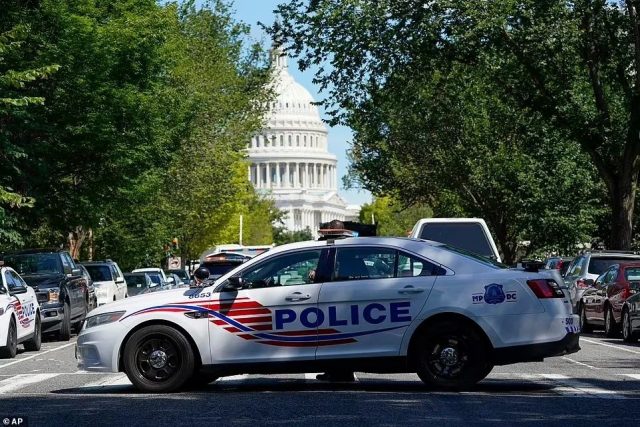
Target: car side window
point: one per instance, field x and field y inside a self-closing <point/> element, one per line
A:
<point x="611" y="276"/>
<point x="67" y="263"/>
<point x="298" y="268"/>
<point x="411" y="266"/>
<point x="576" y="268"/>
<point x="361" y="263"/>
<point x="114" y="272"/>
<point x="17" y="280"/>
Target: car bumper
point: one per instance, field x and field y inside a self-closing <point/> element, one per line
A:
<point x="537" y="352"/>
<point x="97" y="349"/>
<point x="52" y="316"/>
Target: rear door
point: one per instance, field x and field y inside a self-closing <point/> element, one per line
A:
<point x="374" y="294"/>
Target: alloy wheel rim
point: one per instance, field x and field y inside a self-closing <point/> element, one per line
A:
<point x="448" y="358"/>
<point x="158" y="359"/>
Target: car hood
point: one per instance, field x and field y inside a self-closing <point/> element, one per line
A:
<point x="43" y="281"/>
<point x="152" y="299"/>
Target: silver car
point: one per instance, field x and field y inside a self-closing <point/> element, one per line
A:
<point x="586" y="268"/>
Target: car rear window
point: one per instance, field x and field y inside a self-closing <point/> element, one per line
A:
<point x="632" y="274"/>
<point x="219" y="269"/>
<point x="600" y="264"/>
<point x="99" y="273"/>
<point x="470" y="237"/>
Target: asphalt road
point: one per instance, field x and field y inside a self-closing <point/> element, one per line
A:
<point x="600" y="385"/>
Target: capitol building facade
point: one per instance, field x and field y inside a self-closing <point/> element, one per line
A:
<point x="290" y="161"/>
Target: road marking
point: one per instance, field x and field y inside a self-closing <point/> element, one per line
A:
<point x="578" y="363"/>
<point x="109" y="380"/>
<point x="311" y="376"/>
<point x="610" y="345"/>
<point x="36" y="355"/>
<point x="575" y="387"/>
<point x="22" y="380"/>
<point x="234" y="378"/>
<point x="634" y="376"/>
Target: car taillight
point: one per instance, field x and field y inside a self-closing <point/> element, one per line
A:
<point x="580" y="283"/>
<point x="545" y="288"/>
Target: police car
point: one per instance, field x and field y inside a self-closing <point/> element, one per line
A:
<point x="362" y="304"/>
<point x="19" y="314"/>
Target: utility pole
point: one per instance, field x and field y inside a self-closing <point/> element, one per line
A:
<point x="240" y="239"/>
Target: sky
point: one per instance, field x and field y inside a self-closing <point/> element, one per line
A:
<point x="252" y="11"/>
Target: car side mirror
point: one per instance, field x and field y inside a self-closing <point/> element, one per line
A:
<point x="76" y="272"/>
<point x="234" y="283"/>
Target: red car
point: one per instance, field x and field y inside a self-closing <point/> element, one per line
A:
<point x="602" y="302"/>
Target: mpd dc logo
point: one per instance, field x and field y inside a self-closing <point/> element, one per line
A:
<point x="494" y="294"/>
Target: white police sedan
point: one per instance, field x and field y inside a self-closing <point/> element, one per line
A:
<point x="360" y="304"/>
<point x="19" y="314"/>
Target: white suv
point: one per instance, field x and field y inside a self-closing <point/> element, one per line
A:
<point x="108" y="281"/>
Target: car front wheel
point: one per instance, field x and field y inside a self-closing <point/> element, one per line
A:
<point x="627" y="332"/>
<point x="35" y="343"/>
<point x="610" y="326"/>
<point x="584" y="325"/>
<point x="158" y="358"/>
<point x="10" y="349"/>
<point x="65" y="324"/>
<point x="452" y="356"/>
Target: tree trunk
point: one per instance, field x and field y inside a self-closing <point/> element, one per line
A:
<point x="622" y="206"/>
<point x="76" y="239"/>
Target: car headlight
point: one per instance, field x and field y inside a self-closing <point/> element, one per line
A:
<point x="103" y="319"/>
<point x="54" y="295"/>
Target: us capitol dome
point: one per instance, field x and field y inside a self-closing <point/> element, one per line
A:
<point x="290" y="161"/>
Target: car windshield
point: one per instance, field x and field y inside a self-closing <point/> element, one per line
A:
<point x="490" y="262"/>
<point x="34" y="263"/>
<point x="180" y="273"/>
<point x="155" y="278"/>
<point x="99" y="273"/>
<point x="218" y="269"/>
<point x="600" y="264"/>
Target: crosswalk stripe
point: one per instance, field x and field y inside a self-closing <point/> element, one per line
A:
<point x="109" y="380"/>
<point x="234" y="378"/>
<point x="634" y="376"/>
<point x="22" y="380"/>
<point x="575" y="387"/>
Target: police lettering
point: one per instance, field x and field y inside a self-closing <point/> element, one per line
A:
<point x="375" y="313"/>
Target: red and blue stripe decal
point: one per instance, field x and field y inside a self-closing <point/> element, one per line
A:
<point x="250" y="320"/>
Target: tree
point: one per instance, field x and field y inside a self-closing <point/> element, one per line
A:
<point x="392" y="218"/>
<point x="14" y="111"/>
<point x="407" y="76"/>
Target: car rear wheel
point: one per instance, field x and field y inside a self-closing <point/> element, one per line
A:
<point x="158" y="358"/>
<point x="627" y="332"/>
<point x="585" y="327"/>
<point x="610" y="326"/>
<point x="34" y="343"/>
<point x="10" y="349"/>
<point x="452" y="356"/>
<point x="65" y="325"/>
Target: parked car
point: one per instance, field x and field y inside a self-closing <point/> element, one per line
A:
<point x="139" y="283"/>
<point x="450" y="317"/>
<point x="471" y="234"/>
<point x="586" y="268"/>
<point x="20" y="318"/>
<point x="560" y="263"/>
<point x="108" y="281"/>
<point x="221" y="263"/>
<point x="59" y="286"/>
<point x="602" y="302"/>
<point x="154" y="272"/>
<point x="631" y="314"/>
<point x="178" y="281"/>
<point x="182" y="274"/>
<point x="93" y="299"/>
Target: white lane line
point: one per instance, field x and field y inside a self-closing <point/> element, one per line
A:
<point x="234" y="378"/>
<point x="610" y="345"/>
<point x="311" y="376"/>
<point x="578" y="363"/>
<point x="634" y="376"/>
<point x="19" y="381"/>
<point x="573" y="387"/>
<point x="36" y="355"/>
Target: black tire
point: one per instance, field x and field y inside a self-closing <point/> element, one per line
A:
<point x="585" y="327"/>
<point x="34" y="343"/>
<point x="10" y="349"/>
<point x="77" y="325"/>
<point x="627" y="332"/>
<point x="172" y="355"/>
<point x="611" y="329"/>
<point x="65" y="325"/>
<point x="451" y="355"/>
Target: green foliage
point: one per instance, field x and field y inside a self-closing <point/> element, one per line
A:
<point x="391" y="217"/>
<point x="142" y="134"/>
<point x="526" y="113"/>
<point x="282" y="236"/>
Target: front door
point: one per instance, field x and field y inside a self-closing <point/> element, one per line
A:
<point x="274" y="316"/>
<point x="374" y="295"/>
<point x="23" y="303"/>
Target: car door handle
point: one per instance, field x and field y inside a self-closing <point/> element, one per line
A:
<point x="297" y="296"/>
<point x="410" y="290"/>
